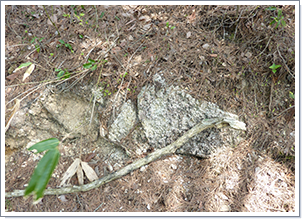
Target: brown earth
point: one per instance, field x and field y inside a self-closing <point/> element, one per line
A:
<point x="221" y="54"/>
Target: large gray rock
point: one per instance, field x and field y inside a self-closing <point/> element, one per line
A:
<point x="167" y="113"/>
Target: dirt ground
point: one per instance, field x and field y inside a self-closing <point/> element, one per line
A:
<point x="220" y="54"/>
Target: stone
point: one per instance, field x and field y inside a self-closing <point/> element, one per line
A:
<point x="124" y="122"/>
<point x="167" y="113"/>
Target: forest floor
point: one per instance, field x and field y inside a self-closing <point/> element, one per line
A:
<point x="228" y="55"/>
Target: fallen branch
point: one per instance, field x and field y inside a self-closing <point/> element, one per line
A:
<point x="170" y="149"/>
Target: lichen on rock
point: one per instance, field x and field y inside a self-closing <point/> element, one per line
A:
<point x="168" y="113"/>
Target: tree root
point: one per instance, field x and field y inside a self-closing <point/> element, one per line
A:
<point x="170" y="149"/>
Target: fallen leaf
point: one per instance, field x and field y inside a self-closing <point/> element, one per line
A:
<point x="89" y="172"/>
<point x="70" y="171"/>
<point x="14" y="109"/>
<point x="80" y="175"/>
<point x="13" y="76"/>
<point x="28" y="71"/>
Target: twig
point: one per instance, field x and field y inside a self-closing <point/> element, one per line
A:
<point x="98" y="207"/>
<point x="17" y="45"/>
<point x="51" y="21"/>
<point x="285" y="63"/>
<point x="127" y="88"/>
<point x="270" y="98"/>
<point x="237" y="22"/>
<point x="283" y="112"/>
<point x="170" y="149"/>
<point x="265" y="47"/>
<point x="10" y="26"/>
<point x="96" y="18"/>
<point x="92" y="50"/>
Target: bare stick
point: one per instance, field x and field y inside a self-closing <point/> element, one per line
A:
<point x="170" y="149"/>
<point x="51" y="21"/>
<point x="285" y="63"/>
<point x="282" y="112"/>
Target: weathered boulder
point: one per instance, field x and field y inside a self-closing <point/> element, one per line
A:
<point x="55" y="115"/>
<point x="166" y="113"/>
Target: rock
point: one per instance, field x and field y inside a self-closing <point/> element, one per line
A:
<point x="54" y="116"/>
<point x="205" y="46"/>
<point x="124" y="122"/>
<point x="168" y="113"/>
<point x="73" y="113"/>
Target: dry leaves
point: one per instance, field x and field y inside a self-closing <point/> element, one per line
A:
<point x="78" y="167"/>
<point x="28" y="71"/>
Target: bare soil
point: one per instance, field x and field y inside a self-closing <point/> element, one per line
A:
<point x="221" y="54"/>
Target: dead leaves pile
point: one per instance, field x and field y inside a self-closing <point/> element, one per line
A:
<point x="78" y="166"/>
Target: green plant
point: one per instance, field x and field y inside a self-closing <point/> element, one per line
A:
<point x="66" y="15"/>
<point x="45" y="167"/>
<point x="92" y="64"/>
<point x="37" y="46"/>
<point x="274" y="67"/>
<point x="278" y="20"/>
<point x="102" y="14"/>
<point x="291" y="95"/>
<point x="62" y="73"/>
<point x="67" y="45"/>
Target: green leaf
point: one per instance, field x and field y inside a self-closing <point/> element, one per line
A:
<point x="102" y="14"/>
<point x="60" y="74"/>
<point x="283" y="23"/>
<point x="33" y="40"/>
<point x="274" y="66"/>
<point x="48" y="144"/>
<point x="82" y="14"/>
<point x="66" y="75"/>
<point x="271" y="8"/>
<point x="69" y="46"/>
<point x="24" y="65"/>
<point x="291" y="95"/>
<point x="87" y="65"/>
<point x="41" y="39"/>
<point x="62" y="41"/>
<point x="91" y="61"/>
<point x="271" y="23"/>
<point x="81" y="36"/>
<point x="279" y="13"/>
<point x="42" y="173"/>
<point x="94" y="67"/>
